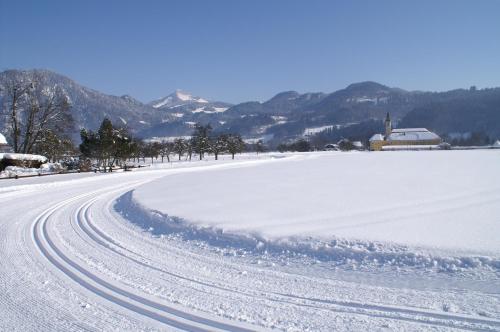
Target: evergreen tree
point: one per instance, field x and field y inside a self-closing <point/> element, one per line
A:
<point x="52" y="146"/>
<point x="106" y="141"/>
<point x="108" y="145"/>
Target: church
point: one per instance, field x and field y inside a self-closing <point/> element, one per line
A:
<point x="410" y="138"/>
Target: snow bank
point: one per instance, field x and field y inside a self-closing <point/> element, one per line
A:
<point x="355" y="253"/>
<point x="12" y="171"/>
<point x="436" y="208"/>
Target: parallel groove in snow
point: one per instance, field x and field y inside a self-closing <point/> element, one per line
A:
<point x="419" y="316"/>
<point x="169" y="315"/>
<point x="91" y="242"/>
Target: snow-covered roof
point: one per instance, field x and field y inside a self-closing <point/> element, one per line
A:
<point x="497" y="143"/>
<point x="3" y="140"/>
<point x="357" y="144"/>
<point x="21" y="156"/>
<point x="412" y="134"/>
<point x="403" y="130"/>
<point x="377" y="137"/>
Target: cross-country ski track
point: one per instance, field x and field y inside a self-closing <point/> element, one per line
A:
<point x="71" y="261"/>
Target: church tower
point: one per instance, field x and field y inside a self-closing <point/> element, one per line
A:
<point x="388" y="126"/>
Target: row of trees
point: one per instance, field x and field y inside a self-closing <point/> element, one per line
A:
<point x="108" y="145"/>
<point x="298" y="146"/>
<point x="303" y="145"/>
<point x="113" y="146"/>
<point x="38" y="117"/>
<point x="203" y="141"/>
<point x="472" y="139"/>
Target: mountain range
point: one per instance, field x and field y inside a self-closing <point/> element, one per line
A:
<point x="287" y="116"/>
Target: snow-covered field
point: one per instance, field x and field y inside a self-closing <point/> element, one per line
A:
<point x="319" y="241"/>
<point x="438" y="199"/>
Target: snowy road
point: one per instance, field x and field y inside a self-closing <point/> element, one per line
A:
<point x="70" y="261"/>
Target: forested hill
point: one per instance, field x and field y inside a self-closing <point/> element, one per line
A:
<point x="288" y="115"/>
<point x="458" y="111"/>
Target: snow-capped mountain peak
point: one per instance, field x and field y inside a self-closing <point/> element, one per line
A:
<point x="188" y="97"/>
<point x="177" y="98"/>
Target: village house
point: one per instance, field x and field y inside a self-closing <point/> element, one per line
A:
<point x="407" y="138"/>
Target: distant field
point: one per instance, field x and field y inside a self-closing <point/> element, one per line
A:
<point x="432" y="199"/>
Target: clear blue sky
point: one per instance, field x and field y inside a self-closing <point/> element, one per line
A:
<point x="236" y="51"/>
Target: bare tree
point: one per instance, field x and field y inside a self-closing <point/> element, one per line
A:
<point x="16" y="91"/>
<point x="189" y="149"/>
<point x="152" y="150"/>
<point x="218" y="144"/>
<point x="35" y="108"/>
<point x="235" y="144"/>
<point x="180" y="146"/>
<point x="201" y="139"/>
<point x="259" y="146"/>
<point x="165" y="150"/>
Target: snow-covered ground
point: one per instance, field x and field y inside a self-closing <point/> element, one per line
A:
<point x="438" y="199"/>
<point x="85" y="251"/>
<point x="315" y="130"/>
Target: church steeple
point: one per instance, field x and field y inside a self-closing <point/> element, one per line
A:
<point x="388" y="126"/>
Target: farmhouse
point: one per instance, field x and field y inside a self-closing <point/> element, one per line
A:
<point x="4" y="146"/>
<point x="403" y="138"/>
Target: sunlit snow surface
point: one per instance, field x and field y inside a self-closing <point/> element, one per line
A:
<point x="78" y="253"/>
<point x="433" y="199"/>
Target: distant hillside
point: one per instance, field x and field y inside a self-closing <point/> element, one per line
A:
<point x="453" y="112"/>
<point x="88" y="106"/>
<point x="361" y="101"/>
<point x="459" y="111"/>
<point x="287" y="116"/>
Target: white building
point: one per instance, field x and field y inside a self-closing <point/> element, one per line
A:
<point x="403" y="138"/>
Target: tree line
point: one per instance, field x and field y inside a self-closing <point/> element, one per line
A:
<point x="38" y="121"/>
<point x="111" y="145"/>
